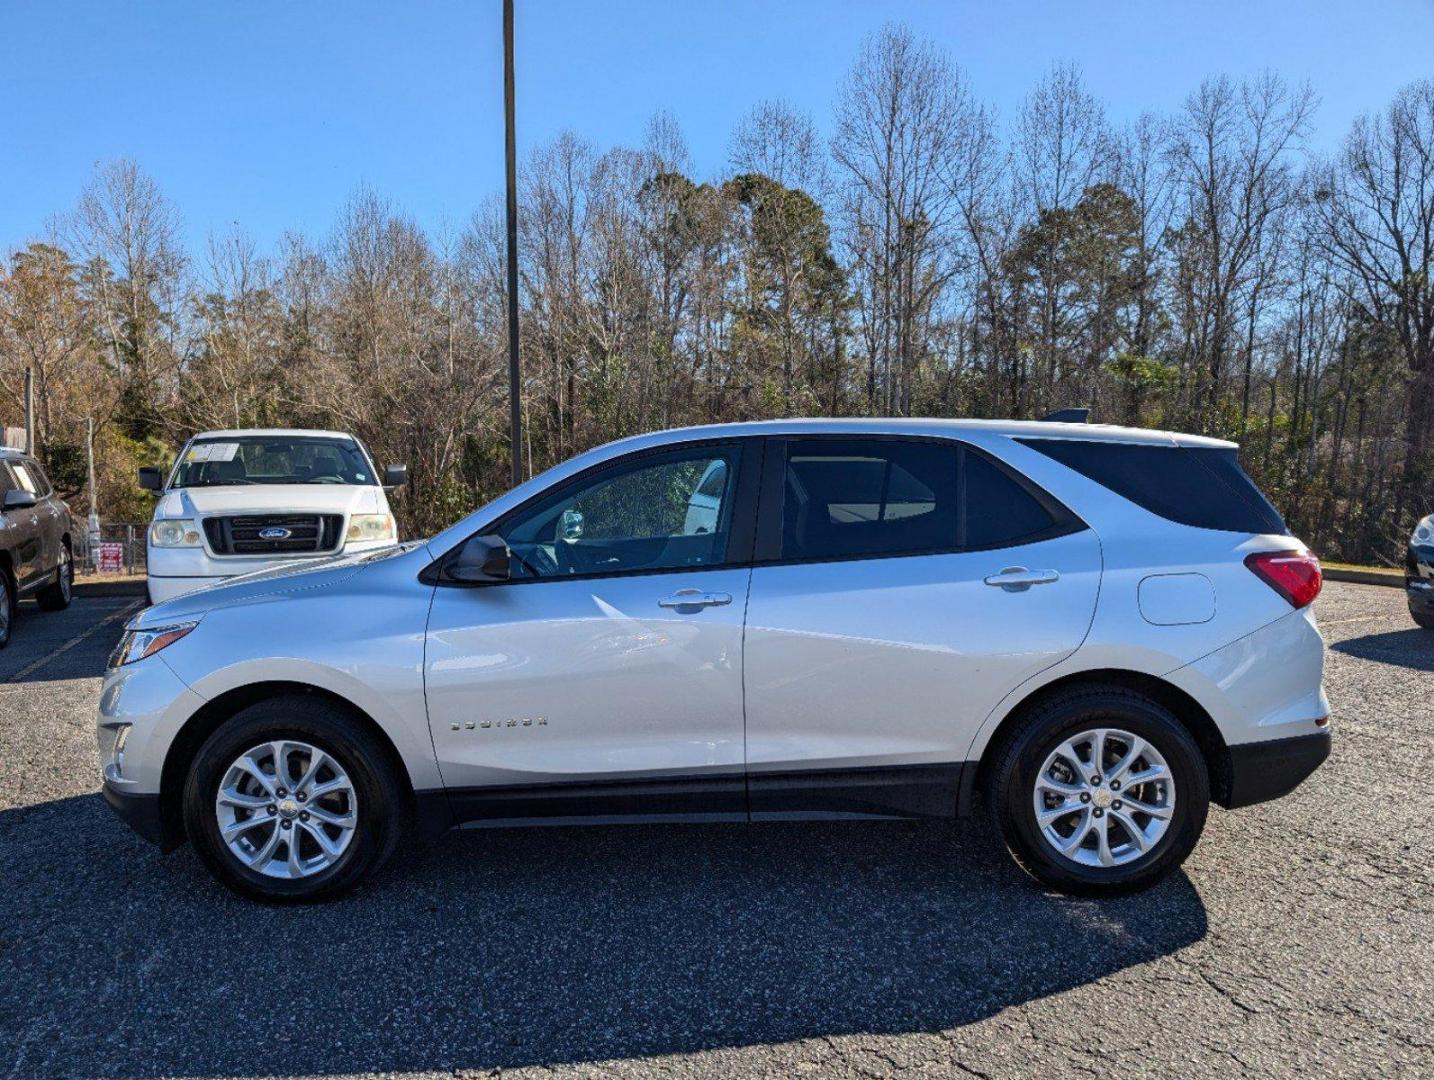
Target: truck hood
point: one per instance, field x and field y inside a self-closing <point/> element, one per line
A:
<point x="292" y="580"/>
<point x="272" y="499"/>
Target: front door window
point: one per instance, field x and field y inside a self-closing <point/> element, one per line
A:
<point x="655" y="512"/>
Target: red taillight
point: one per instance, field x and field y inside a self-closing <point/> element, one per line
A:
<point x="1295" y="575"/>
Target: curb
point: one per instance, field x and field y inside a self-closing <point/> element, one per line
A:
<point x="110" y="588"/>
<point x="1389" y="579"/>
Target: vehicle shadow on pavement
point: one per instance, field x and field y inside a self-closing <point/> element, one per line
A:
<point x="537" y="946"/>
<point x="1413" y="648"/>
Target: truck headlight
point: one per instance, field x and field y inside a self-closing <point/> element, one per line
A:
<point x="364" y="528"/>
<point x="137" y="644"/>
<point x="174" y="533"/>
<point x="1424" y="534"/>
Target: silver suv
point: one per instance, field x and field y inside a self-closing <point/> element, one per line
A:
<point x="1099" y="630"/>
<point x="36" y="531"/>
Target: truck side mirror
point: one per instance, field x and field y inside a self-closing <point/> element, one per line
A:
<point x="151" y="479"/>
<point x="482" y="558"/>
<point x="395" y="476"/>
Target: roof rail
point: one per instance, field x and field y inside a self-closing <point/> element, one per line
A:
<point x="1067" y="416"/>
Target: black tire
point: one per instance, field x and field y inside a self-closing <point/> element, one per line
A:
<point x="7" y="598"/>
<point x="1420" y="619"/>
<point x="381" y="809"/>
<point x="56" y="597"/>
<point x="1011" y="787"/>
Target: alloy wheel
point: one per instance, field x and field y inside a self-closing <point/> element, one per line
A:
<point x="286" y="809"/>
<point x="1104" y="798"/>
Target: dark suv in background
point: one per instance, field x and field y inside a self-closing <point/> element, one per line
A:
<point x="36" y="553"/>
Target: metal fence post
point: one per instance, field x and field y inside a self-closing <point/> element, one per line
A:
<point x="129" y="549"/>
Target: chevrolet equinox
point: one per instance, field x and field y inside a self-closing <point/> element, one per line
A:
<point x="1093" y="632"/>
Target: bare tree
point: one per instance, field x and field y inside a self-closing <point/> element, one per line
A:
<point x="126" y="226"/>
<point x="898" y="116"/>
<point x="1377" y="203"/>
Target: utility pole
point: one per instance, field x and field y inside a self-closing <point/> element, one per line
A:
<point x="30" y="411"/>
<point x="514" y="370"/>
<point x="93" y="531"/>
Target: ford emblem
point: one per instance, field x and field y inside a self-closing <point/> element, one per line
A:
<point x="273" y="532"/>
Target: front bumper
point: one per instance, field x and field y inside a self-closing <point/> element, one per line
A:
<point x="1419" y="578"/>
<point x="167" y="588"/>
<point x="141" y="813"/>
<point x="1261" y="771"/>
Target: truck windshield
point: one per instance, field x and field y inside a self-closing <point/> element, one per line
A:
<point x="272" y="459"/>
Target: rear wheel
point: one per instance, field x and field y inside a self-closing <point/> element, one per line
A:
<point x="291" y="800"/>
<point x="57" y="597"/>
<point x="1099" y="791"/>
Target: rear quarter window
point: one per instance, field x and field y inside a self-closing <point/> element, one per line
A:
<point x="1198" y="486"/>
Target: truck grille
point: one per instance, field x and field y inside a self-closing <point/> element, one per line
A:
<point x="241" y="535"/>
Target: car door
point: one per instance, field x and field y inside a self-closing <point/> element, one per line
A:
<point x="24" y="537"/>
<point x="605" y="676"/>
<point x="902" y="587"/>
<point x="50" y="513"/>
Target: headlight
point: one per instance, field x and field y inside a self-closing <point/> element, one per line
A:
<point x="137" y="644"/>
<point x="364" y="528"/>
<point x="174" y="533"/>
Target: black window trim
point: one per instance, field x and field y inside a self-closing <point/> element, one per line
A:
<point x="740" y="540"/>
<point x="769" y="522"/>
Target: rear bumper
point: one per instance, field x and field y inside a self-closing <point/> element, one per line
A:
<point x="140" y="813"/>
<point x="1261" y="771"/>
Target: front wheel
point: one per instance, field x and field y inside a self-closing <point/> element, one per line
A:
<point x="293" y="800"/>
<point x="1421" y="619"/>
<point x="1099" y="791"/>
<point x="7" y="606"/>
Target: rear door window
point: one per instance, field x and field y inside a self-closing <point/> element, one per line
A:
<point x="1199" y="486"/>
<point x="998" y="510"/>
<point x="855" y="498"/>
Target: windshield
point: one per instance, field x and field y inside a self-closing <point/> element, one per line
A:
<point x="272" y="459"/>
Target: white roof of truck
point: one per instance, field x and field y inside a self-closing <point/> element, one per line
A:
<point x="235" y="433"/>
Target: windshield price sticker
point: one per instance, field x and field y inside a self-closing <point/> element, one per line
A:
<point x="212" y="452"/>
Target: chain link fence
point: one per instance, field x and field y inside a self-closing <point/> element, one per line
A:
<point x="117" y="549"/>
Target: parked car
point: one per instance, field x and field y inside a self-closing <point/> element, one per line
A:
<point x="240" y="501"/>
<point x="1096" y="631"/>
<point x="36" y="540"/>
<point x="1419" y="573"/>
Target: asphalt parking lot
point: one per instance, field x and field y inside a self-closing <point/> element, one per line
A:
<point x="1297" y="941"/>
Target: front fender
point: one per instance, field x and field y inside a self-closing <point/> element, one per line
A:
<point x="408" y="731"/>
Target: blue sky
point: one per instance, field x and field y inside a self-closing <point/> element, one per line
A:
<point x="271" y="114"/>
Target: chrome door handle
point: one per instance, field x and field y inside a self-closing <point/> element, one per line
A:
<point x="693" y="598"/>
<point x="1019" y="579"/>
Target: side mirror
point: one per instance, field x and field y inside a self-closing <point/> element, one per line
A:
<point x="151" y="479"/>
<point x="19" y="500"/>
<point x="395" y="476"/>
<point x="570" y="525"/>
<point x="483" y="558"/>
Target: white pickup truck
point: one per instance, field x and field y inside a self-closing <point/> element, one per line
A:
<point x="240" y="501"/>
